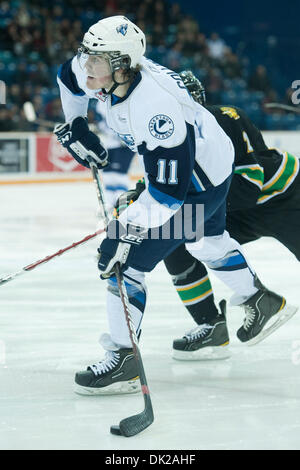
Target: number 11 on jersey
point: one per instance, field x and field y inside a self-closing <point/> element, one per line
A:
<point x="161" y="174"/>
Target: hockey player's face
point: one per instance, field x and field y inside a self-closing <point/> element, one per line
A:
<point x="98" y="73"/>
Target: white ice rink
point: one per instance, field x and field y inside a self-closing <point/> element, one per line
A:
<point x="50" y="321"/>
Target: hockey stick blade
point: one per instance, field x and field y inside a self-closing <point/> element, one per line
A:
<point x="135" y="424"/>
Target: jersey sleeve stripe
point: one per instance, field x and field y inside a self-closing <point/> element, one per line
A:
<point x="164" y="198"/>
<point x="202" y="178"/>
<point x="285" y="177"/>
<point x="278" y="174"/>
<point x="252" y="173"/>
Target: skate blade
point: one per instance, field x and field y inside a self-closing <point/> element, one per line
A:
<point x="119" y="388"/>
<point x="279" y="319"/>
<point x="209" y="353"/>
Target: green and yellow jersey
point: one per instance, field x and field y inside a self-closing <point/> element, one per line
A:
<point x="261" y="174"/>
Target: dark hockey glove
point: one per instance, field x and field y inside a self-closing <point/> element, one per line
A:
<point x="115" y="248"/>
<point x="128" y="198"/>
<point x="82" y="144"/>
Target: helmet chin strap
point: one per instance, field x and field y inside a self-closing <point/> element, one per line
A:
<point x="117" y="84"/>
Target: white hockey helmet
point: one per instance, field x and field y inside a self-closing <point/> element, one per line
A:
<point x="122" y="40"/>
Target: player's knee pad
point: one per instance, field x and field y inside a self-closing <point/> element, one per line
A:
<point x="135" y="287"/>
<point x="213" y="248"/>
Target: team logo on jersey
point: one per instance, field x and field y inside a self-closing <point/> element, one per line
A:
<point x="128" y="140"/>
<point x="122" y="29"/>
<point x="161" y="126"/>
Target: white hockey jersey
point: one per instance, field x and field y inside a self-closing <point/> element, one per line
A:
<point x="110" y="139"/>
<point x="182" y="147"/>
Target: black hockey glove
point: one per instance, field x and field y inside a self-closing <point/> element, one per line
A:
<point x="115" y="248"/>
<point x="82" y="144"/>
<point x="128" y="198"/>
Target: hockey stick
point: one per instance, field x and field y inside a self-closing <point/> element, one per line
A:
<point x="133" y="424"/>
<point x="32" y="266"/>
<point x="285" y="107"/>
<point x="30" y="115"/>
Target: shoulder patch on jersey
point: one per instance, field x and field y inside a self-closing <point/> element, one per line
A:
<point x="128" y="140"/>
<point x="101" y="96"/>
<point x="231" y="112"/>
<point x="161" y="126"/>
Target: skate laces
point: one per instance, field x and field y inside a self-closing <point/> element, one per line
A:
<point x="249" y="318"/>
<point x="109" y="362"/>
<point x="198" y="332"/>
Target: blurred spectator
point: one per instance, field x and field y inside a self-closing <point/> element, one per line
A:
<point x="160" y="13"/>
<point x="6" y="124"/>
<point x="38" y="41"/>
<point x="213" y="84"/>
<point x="216" y="46"/>
<point x="188" y="25"/>
<point x="27" y="92"/>
<point x="36" y="36"/>
<point x="6" y="14"/>
<point x="259" y="80"/>
<point x="57" y="14"/>
<point x="38" y="103"/>
<point x="175" y="14"/>
<point x="14" y="95"/>
<point x="271" y="96"/>
<point x="158" y="34"/>
<point x="201" y="57"/>
<point x="201" y="42"/>
<point x="23" y="16"/>
<point x="231" y="65"/>
<point x="53" y="111"/>
<point x="40" y="75"/>
<point x="173" y="56"/>
<point x="21" y="124"/>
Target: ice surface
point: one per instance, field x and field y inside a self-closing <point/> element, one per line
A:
<point x="51" y="318"/>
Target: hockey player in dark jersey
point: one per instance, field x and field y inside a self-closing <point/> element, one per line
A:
<point x="263" y="200"/>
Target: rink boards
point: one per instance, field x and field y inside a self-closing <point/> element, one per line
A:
<point x="39" y="158"/>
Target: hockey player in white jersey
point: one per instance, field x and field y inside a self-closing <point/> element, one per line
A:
<point x="188" y="162"/>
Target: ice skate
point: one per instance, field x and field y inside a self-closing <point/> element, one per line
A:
<point x="204" y="342"/>
<point x="265" y="313"/>
<point x="116" y="374"/>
